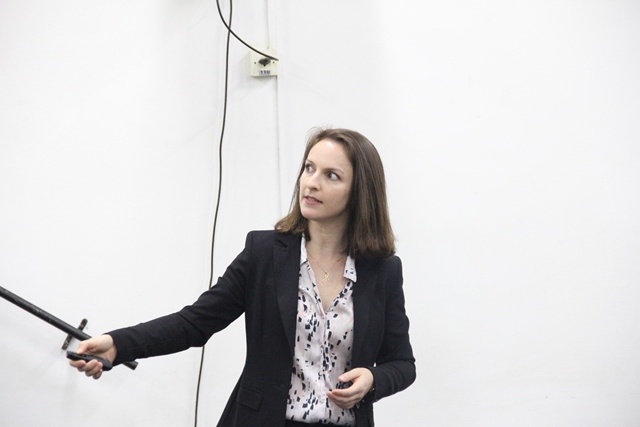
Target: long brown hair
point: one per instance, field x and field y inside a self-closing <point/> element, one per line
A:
<point x="369" y="230"/>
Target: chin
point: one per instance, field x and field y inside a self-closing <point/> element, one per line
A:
<point x="309" y="216"/>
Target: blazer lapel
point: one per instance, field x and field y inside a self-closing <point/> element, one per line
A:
<point x="286" y="259"/>
<point x="363" y="292"/>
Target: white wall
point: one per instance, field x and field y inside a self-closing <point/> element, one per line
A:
<point x="510" y="137"/>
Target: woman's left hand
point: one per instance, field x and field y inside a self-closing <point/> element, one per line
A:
<point x="362" y="383"/>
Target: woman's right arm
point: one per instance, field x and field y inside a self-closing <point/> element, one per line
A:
<point x="190" y="327"/>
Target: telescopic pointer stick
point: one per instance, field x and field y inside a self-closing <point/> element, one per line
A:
<point x="49" y="318"/>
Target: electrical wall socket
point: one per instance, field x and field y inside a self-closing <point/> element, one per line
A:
<point x="261" y="66"/>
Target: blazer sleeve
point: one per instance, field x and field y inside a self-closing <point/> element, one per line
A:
<point x="394" y="369"/>
<point x="192" y="326"/>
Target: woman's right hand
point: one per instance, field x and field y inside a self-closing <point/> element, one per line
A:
<point x="101" y="346"/>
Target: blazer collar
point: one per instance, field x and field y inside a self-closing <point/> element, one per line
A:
<point x="363" y="293"/>
<point x="286" y="262"/>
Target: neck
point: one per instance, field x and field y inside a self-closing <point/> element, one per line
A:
<point x="327" y="242"/>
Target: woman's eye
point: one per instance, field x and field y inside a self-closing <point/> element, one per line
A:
<point x="308" y="167"/>
<point x="333" y="176"/>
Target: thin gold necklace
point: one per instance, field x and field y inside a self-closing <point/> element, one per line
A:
<point x="325" y="271"/>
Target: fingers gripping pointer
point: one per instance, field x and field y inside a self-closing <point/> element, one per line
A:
<point x="101" y="346"/>
<point x="362" y="383"/>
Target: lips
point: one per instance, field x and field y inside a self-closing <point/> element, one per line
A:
<point x="311" y="200"/>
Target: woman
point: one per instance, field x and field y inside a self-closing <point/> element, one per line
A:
<point x="327" y="333"/>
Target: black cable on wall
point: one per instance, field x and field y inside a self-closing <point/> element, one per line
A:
<point x="220" y="163"/>
<point x="217" y="208"/>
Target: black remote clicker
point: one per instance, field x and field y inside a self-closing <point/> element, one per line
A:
<point x="106" y="365"/>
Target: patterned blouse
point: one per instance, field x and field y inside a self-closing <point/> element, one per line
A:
<point x="322" y="349"/>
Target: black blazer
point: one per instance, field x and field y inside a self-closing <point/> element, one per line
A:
<point x="262" y="283"/>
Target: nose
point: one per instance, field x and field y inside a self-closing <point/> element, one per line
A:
<point x="312" y="181"/>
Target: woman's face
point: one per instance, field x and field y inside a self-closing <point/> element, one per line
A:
<point x="325" y="183"/>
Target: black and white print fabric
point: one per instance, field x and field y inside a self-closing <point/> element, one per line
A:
<point x="322" y="348"/>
